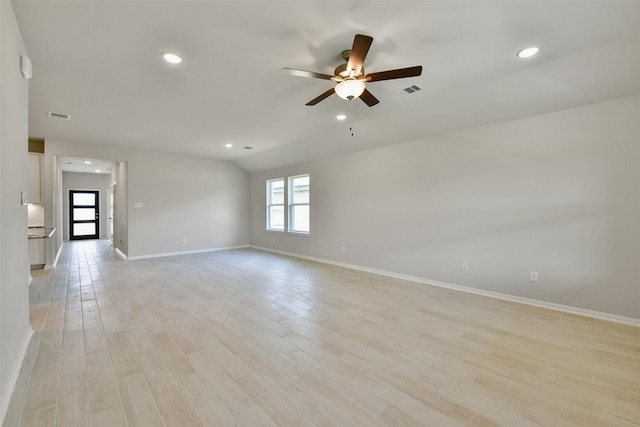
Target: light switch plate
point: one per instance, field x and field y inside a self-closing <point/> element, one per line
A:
<point x="25" y="67"/>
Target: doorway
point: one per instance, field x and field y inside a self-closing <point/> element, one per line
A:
<point x="84" y="214"/>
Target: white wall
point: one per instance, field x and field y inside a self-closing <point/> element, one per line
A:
<point x="556" y="193"/>
<point x="87" y="181"/>
<point x="202" y="200"/>
<point x="14" y="260"/>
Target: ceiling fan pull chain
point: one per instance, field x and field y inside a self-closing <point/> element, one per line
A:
<point x="351" y="108"/>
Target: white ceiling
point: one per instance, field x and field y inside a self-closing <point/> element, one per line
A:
<point x="99" y="61"/>
<point x="85" y="165"/>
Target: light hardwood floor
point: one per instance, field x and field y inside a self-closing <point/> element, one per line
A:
<point x="249" y="338"/>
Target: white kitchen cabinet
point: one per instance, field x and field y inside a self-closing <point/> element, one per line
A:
<point x="35" y="178"/>
<point x="36" y="252"/>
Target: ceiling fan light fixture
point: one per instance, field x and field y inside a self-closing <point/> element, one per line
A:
<point x="350" y="89"/>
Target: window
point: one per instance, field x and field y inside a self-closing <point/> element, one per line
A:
<point x="293" y="199"/>
<point x="299" y="204"/>
<point x="275" y="204"/>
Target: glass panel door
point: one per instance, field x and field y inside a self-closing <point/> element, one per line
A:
<point x="84" y="213"/>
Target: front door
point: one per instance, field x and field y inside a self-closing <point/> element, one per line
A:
<point x="84" y="213"/>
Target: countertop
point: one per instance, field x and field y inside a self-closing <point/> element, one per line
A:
<point x="40" y="232"/>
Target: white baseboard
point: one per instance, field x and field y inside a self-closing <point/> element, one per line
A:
<point x="506" y="297"/>
<point x="186" y="252"/>
<point x="8" y="387"/>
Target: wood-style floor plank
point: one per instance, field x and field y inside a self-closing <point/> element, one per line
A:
<point x="205" y="404"/>
<point x="103" y="384"/>
<point x="112" y="416"/>
<point x="139" y="406"/>
<point x="73" y="401"/>
<point x="248" y="338"/>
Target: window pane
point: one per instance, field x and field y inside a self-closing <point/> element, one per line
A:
<point x="300" y="218"/>
<point x="276" y="217"/>
<point x="87" y="199"/>
<point x="82" y="214"/>
<point x="300" y="189"/>
<point x="276" y="192"/>
<point x="85" y="229"/>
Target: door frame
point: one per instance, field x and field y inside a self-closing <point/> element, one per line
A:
<point x="96" y="220"/>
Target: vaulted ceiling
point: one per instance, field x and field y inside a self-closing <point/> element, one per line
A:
<point x="100" y="62"/>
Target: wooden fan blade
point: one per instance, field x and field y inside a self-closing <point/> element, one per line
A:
<point x="368" y="98"/>
<point x="358" y="53"/>
<point x="327" y="94"/>
<point x="400" y="73"/>
<point x="302" y="73"/>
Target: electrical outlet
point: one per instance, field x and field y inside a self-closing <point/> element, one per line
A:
<point x="464" y="266"/>
<point x="533" y="276"/>
<point x="343" y="249"/>
<point x="184" y="240"/>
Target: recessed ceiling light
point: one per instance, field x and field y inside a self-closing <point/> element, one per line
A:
<point x="87" y="162"/>
<point x="228" y="145"/>
<point x="341" y="117"/>
<point x="171" y="57"/>
<point x="527" y="52"/>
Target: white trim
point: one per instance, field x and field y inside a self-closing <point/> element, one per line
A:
<point x="13" y="376"/>
<point x="186" y="252"/>
<point x="497" y="295"/>
<point x="122" y="254"/>
<point x="55" y="261"/>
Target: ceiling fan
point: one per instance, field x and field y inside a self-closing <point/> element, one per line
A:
<point x="350" y="76"/>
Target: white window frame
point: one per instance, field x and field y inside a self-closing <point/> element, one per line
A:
<point x="270" y="204"/>
<point x="292" y="205"/>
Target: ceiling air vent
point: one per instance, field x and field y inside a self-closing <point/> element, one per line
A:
<point x="412" y="89"/>
<point x="59" y="116"/>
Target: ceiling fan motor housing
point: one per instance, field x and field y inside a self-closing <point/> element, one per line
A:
<point x="341" y="70"/>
